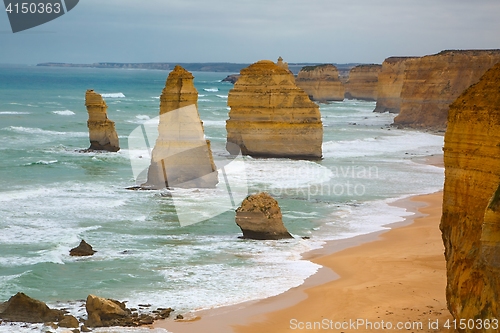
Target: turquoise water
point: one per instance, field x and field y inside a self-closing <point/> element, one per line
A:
<point x="52" y="196"/>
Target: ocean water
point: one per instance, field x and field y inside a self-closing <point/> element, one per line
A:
<point x="52" y="196"/>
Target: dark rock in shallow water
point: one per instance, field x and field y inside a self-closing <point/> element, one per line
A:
<point x="231" y="78"/>
<point x="259" y="217"/>
<point x="82" y="250"/>
<point x="22" y="308"/>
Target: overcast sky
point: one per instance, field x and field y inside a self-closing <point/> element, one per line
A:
<point x="337" y="31"/>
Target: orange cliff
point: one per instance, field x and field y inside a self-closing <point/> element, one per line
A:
<point x="102" y="132"/>
<point x="271" y="116"/>
<point x="321" y="83"/>
<point x="433" y="82"/>
<point x="181" y="156"/>
<point x="471" y="206"/>
<point x="362" y="82"/>
<point x="390" y="84"/>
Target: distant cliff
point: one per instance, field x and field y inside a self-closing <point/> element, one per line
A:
<point x="271" y="117"/>
<point x="433" y="82"/>
<point x="321" y="83"/>
<point x="390" y="84"/>
<point x="471" y="206"/>
<point x="362" y="82"/>
<point x="197" y="67"/>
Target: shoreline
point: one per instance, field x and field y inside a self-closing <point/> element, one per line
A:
<point x="307" y="303"/>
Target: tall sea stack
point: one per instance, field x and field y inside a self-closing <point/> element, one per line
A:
<point x="271" y="117"/>
<point x="102" y="132"/>
<point x="471" y="206"/>
<point x="182" y="156"/>
<point x="321" y="83"/>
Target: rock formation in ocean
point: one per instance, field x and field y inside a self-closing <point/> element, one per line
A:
<point x="104" y="312"/>
<point x="181" y="156"/>
<point x="362" y="83"/>
<point x="102" y="132"/>
<point x="433" y="82"/>
<point x="321" y="83"/>
<point x="271" y="117"/>
<point x="259" y="217"/>
<point x="82" y="250"/>
<point x="231" y="78"/>
<point x="22" y="308"/>
<point x="390" y="84"/>
<point x="471" y="205"/>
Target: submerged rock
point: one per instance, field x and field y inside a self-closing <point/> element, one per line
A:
<point x="259" y="217"/>
<point x="82" y="250"/>
<point x="102" y="132"/>
<point x="22" y="308"/>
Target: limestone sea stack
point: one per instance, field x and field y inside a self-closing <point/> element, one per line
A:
<point x="471" y="207"/>
<point x="433" y="82"/>
<point x="102" y="131"/>
<point x="321" y="83"/>
<point x="259" y="217"/>
<point x="271" y="117"/>
<point x="390" y="84"/>
<point x="181" y="156"/>
<point x="362" y="83"/>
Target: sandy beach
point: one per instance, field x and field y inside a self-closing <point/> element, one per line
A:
<point x="393" y="280"/>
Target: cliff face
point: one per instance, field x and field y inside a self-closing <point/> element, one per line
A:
<point x="471" y="207"/>
<point x="271" y="116"/>
<point x="321" y="83"/>
<point x="390" y="84"/>
<point x="433" y="82"/>
<point x="181" y="156"/>
<point x="102" y="132"/>
<point x="362" y="82"/>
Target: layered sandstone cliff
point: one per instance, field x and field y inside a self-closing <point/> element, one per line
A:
<point x="270" y="116"/>
<point x="433" y="82"/>
<point x="102" y="132"/>
<point x="390" y="84"/>
<point x="471" y="207"/>
<point x="181" y="156"/>
<point x="321" y="83"/>
<point x="362" y="82"/>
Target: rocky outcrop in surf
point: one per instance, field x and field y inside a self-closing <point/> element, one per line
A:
<point x="82" y="250"/>
<point x="471" y="205"/>
<point x="259" y="217"/>
<point x="362" y="83"/>
<point x="321" y="83"/>
<point x="433" y="82"/>
<point x="102" y="132"/>
<point x="22" y="308"/>
<point x="271" y="117"/>
<point x="181" y="156"/>
<point x="390" y="84"/>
